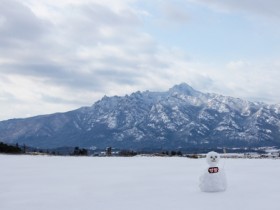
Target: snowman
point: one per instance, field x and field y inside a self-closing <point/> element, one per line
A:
<point x="214" y="178"/>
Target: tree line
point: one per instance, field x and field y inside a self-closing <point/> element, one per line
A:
<point x="10" y="149"/>
<point x="16" y="149"/>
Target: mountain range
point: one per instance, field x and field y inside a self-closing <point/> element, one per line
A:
<point x="179" y="118"/>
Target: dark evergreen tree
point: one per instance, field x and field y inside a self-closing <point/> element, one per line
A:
<point x="179" y="153"/>
<point x="173" y="153"/>
<point x="80" y="152"/>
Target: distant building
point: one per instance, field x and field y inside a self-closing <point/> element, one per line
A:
<point x="109" y="151"/>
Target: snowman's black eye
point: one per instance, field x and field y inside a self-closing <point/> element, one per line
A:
<point x="215" y="156"/>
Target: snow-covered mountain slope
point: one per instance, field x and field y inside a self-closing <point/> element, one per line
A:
<point x="179" y="118"/>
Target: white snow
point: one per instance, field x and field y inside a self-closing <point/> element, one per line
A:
<point x="112" y="122"/>
<point x="150" y="183"/>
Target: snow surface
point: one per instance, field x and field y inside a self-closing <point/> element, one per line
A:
<point x="150" y="183"/>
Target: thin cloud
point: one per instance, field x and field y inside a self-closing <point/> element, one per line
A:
<point x="18" y="23"/>
<point x="268" y="8"/>
<point x="175" y="12"/>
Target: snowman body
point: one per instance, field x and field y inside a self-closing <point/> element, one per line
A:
<point x="213" y="178"/>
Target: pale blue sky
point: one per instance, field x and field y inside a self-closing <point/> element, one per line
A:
<point x="209" y="34"/>
<point x="60" y="55"/>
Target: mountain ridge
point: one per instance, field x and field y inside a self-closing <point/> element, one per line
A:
<point x="179" y="118"/>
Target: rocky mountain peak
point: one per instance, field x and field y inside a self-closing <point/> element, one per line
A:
<point x="182" y="118"/>
<point x="183" y="88"/>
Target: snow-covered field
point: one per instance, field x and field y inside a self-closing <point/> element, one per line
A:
<point x="149" y="183"/>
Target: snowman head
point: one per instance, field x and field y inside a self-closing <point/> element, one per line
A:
<point x="212" y="158"/>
